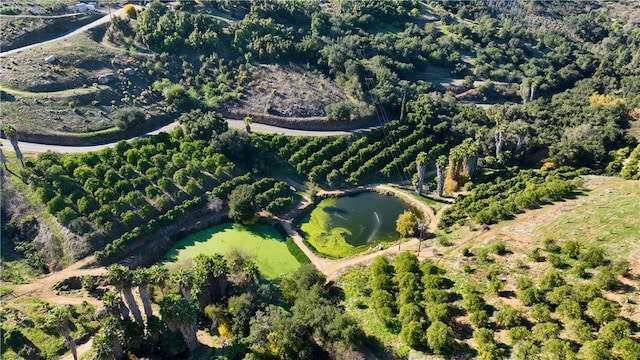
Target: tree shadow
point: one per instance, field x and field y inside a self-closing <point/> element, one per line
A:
<point x="509" y="294"/>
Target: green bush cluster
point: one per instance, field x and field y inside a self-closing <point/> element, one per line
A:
<point x="410" y="298"/>
<point x="388" y="151"/>
<point x="115" y="189"/>
<point x="490" y="202"/>
<point x="170" y="217"/>
<point x="631" y="169"/>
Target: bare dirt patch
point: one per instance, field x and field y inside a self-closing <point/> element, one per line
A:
<point x="290" y="91"/>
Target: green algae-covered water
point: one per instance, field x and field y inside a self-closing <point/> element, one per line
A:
<point x="348" y="225"/>
<point x="261" y="242"/>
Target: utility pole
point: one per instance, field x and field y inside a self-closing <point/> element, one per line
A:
<point x="421" y="226"/>
<point x="109" y="6"/>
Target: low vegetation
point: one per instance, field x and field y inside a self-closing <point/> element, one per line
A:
<point x="422" y="306"/>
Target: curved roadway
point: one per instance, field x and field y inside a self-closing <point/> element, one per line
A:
<point x="103" y="20"/>
<point x="28" y="147"/>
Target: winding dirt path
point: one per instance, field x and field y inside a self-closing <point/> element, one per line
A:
<point x="42" y="288"/>
<point x="103" y="20"/>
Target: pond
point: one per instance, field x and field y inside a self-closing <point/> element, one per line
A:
<point x="348" y="225"/>
<point x="262" y="243"/>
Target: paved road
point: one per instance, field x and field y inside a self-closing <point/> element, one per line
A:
<point x="103" y="20"/>
<point x="27" y="147"/>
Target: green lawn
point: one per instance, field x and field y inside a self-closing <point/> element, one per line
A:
<point x="607" y="216"/>
<point x="263" y="243"/>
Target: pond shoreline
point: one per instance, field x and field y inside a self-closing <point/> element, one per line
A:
<point x="145" y="252"/>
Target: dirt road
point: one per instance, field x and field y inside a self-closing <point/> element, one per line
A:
<point x="102" y="20"/>
<point x="28" y="147"/>
<point x="43" y="288"/>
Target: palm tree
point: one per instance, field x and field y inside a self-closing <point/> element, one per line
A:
<point x="500" y="119"/>
<point x="521" y="128"/>
<point x="421" y="163"/>
<point x="122" y="278"/>
<point x="247" y="123"/>
<point x="456" y="156"/>
<point x="142" y="277"/>
<point x="440" y="164"/>
<point x="108" y="342"/>
<point x="210" y="278"/>
<point x="217" y="314"/>
<point x="158" y="275"/>
<point x="59" y="317"/>
<point x="219" y="272"/>
<point x="183" y="279"/>
<point x="471" y="148"/>
<point x="498" y="135"/>
<point x="251" y="272"/>
<point x="180" y="315"/>
<point x="114" y="305"/>
<point x="12" y="134"/>
<point x="3" y="160"/>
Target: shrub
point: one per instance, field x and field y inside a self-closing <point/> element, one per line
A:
<point x="130" y="11"/>
<point x="558" y="294"/>
<point x="605" y="279"/>
<point x="438" y="312"/>
<point x="56" y="204"/>
<point x="571" y="248"/>
<point x="579" y="331"/>
<point x="483" y="337"/>
<point x="499" y="248"/>
<point x="410" y="313"/>
<point x="473" y="302"/>
<point x="508" y="317"/>
<point x="80" y="225"/>
<point x="593" y="257"/>
<point x="620" y="267"/>
<point x="543" y="332"/>
<point x="528" y="296"/>
<point x="339" y="111"/>
<point x="569" y="309"/>
<point x="128" y="118"/>
<point x="439" y="337"/>
<point x="551" y="280"/>
<point x="626" y="349"/>
<point x="412" y="334"/>
<point x="594" y="350"/>
<point x="614" y="331"/>
<point x="534" y="254"/>
<point x="550" y="245"/>
<point x="557" y="349"/>
<point x="540" y="312"/>
<point x="518" y="333"/>
<point x="435" y="296"/>
<point x="524" y="350"/>
<point x="479" y="318"/>
<point x="90" y="283"/>
<point x="602" y="311"/>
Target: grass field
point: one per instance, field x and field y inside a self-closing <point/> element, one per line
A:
<point x="262" y="243"/>
<point x="606" y="214"/>
<point x="64" y="96"/>
<point x="609" y="217"/>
